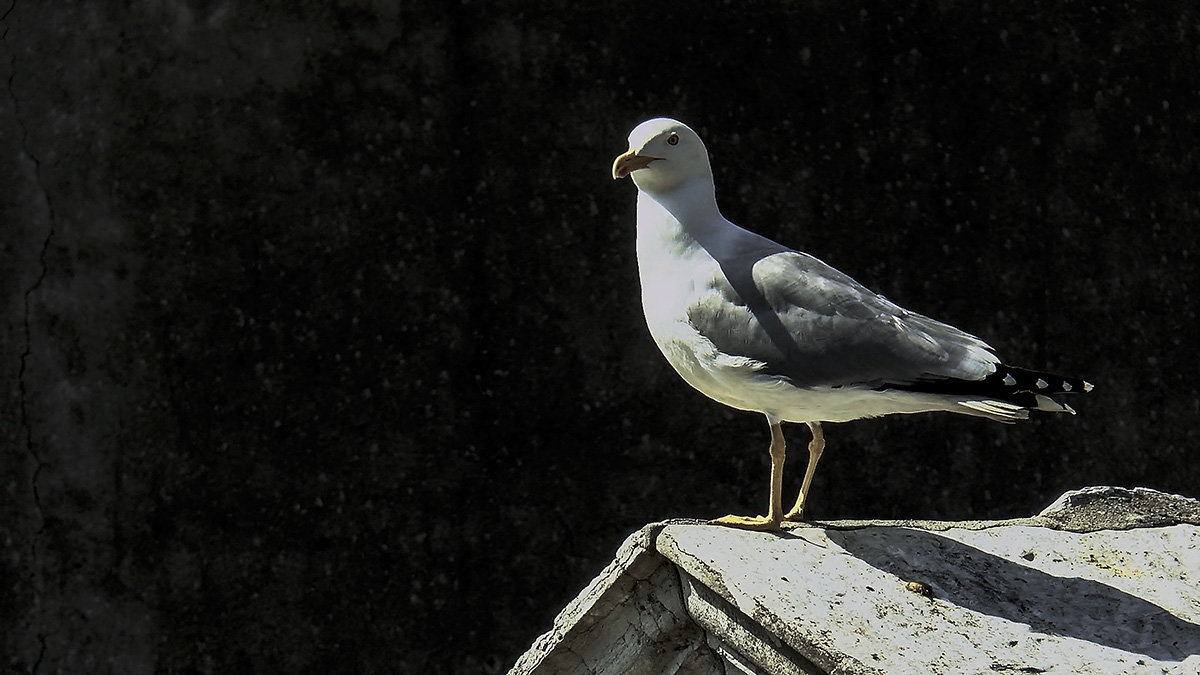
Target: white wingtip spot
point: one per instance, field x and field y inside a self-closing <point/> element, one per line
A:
<point x="1009" y="380"/>
<point x="1087" y="386"/>
<point x="1047" y="404"/>
<point x="1042" y="384"/>
<point x="1067" y="386"/>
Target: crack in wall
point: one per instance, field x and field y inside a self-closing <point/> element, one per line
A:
<point x="27" y="351"/>
<point x="22" y="383"/>
<point x="41" y="653"/>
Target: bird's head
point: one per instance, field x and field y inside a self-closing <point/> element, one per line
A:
<point x="663" y="154"/>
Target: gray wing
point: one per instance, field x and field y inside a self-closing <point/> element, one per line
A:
<point x="809" y="322"/>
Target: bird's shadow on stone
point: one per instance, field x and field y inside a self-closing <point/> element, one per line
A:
<point x="985" y="583"/>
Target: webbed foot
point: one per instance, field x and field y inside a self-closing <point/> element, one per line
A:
<point x="756" y="523"/>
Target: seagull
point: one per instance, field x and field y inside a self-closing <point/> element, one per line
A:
<point x="761" y="327"/>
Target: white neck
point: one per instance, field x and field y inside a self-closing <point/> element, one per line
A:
<point x="694" y="203"/>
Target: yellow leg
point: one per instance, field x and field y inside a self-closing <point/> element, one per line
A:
<point x="775" y="508"/>
<point x="815" y="448"/>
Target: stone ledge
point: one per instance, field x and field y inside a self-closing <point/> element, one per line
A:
<point x="1103" y="580"/>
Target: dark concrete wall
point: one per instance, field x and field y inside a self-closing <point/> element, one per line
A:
<point x="322" y="347"/>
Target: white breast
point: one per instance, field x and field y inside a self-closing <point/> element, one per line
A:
<point x="676" y="273"/>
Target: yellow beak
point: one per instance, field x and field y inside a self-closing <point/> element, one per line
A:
<point x="630" y="162"/>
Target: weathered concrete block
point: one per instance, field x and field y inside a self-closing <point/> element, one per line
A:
<point x="630" y="619"/>
<point x="1104" y="580"/>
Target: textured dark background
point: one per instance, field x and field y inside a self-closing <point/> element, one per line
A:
<point x="322" y="349"/>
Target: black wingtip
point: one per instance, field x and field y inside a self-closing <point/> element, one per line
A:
<point x="1031" y="389"/>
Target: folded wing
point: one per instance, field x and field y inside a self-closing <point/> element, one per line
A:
<point x="818" y="327"/>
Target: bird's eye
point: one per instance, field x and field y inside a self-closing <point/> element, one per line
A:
<point x="673" y="139"/>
